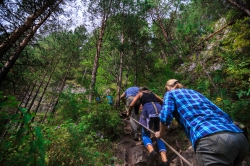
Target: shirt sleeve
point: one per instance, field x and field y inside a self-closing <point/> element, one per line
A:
<point x="166" y="115"/>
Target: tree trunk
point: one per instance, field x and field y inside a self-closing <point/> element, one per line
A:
<point x="60" y="91"/>
<point x="44" y="90"/>
<point x="98" y="50"/>
<point x="136" y="66"/>
<point x="120" y="74"/>
<point x="240" y="6"/>
<point x="37" y="91"/>
<point x="96" y="63"/>
<point x="6" y="45"/>
<point x="27" y="101"/>
<point x="126" y="77"/>
<point x="165" y="30"/>
<point x="9" y="120"/>
<point x="11" y="61"/>
<point x="30" y="94"/>
<point x="161" y="26"/>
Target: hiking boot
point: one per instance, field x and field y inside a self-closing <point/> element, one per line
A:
<point x="153" y="157"/>
<point x="136" y="137"/>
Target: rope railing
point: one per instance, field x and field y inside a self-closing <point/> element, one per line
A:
<point x="181" y="157"/>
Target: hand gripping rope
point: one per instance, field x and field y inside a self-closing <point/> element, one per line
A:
<point x="165" y="143"/>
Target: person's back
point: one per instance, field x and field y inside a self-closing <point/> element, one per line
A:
<point x="195" y="110"/>
<point x="147" y="98"/>
<point x="127" y="97"/>
<point x="110" y="100"/>
<point x="150" y="119"/>
<point x="215" y="138"/>
<point x="132" y="91"/>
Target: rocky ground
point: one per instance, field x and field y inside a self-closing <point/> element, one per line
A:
<point x="133" y="153"/>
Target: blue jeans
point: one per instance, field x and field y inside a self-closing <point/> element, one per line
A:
<point x="224" y="148"/>
<point x="154" y="123"/>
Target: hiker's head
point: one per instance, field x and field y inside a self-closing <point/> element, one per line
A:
<point x="143" y="88"/>
<point x="173" y="84"/>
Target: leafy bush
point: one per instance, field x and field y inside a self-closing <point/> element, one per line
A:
<point x="23" y="144"/>
<point x="85" y="140"/>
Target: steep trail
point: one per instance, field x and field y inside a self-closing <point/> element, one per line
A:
<point x="133" y="153"/>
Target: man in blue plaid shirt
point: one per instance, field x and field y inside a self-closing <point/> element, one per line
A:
<point x="214" y="137"/>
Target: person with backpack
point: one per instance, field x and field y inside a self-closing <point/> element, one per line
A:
<point x="127" y="97"/>
<point x="214" y="136"/>
<point x="110" y="100"/>
<point x="151" y="106"/>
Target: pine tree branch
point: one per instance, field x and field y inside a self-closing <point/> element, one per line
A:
<point x="240" y="6"/>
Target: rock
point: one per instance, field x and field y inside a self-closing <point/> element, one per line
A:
<point x="139" y="155"/>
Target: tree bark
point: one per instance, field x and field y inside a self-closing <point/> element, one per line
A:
<point x="235" y="3"/>
<point x="37" y="91"/>
<point x="11" y="61"/>
<point x="44" y="90"/>
<point x="120" y="74"/>
<point x="98" y="50"/>
<point x="57" y="97"/>
<point x="9" y="120"/>
<point x="30" y="94"/>
<point x="136" y="64"/>
<point x="6" y="45"/>
<point x="60" y="91"/>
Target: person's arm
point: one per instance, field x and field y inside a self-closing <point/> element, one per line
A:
<point x="133" y="103"/>
<point x="166" y="115"/>
<point x="123" y="97"/>
<point x="159" y="99"/>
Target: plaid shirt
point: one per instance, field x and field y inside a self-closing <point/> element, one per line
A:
<point x="198" y="115"/>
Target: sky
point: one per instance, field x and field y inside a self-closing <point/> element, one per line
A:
<point x="76" y="15"/>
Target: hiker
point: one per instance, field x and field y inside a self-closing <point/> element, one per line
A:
<point x="214" y="137"/>
<point x="110" y="100"/>
<point x="127" y="97"/>
<point x="98" y="99"/>
<point x="151" y="107"/>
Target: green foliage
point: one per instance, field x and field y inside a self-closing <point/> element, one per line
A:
<point x="24" y="145"/>
<point x="156" y="82"/>
<point x="195" y="22"/>
<point x="231" y="80"/>
<point x="81" y="132"/>
<point x="235" y="51"/>
<point x="203" y="86"/>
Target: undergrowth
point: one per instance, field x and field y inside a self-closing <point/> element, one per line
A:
<point x="78" y="134"/>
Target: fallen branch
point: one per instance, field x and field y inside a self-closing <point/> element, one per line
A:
<point x="211" y="35"/>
